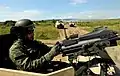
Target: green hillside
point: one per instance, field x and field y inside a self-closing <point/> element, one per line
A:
<point x="45" y="28"/>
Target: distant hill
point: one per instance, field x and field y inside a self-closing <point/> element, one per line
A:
<point x="66" y="20"/>
<point x="81" y="20"/>
<point x="75" y="19"/>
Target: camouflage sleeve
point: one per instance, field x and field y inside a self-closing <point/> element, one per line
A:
<point x="23" y="61"/>
<point x="43" y="47"/>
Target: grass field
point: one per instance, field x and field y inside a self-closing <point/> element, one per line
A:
<point x="45" y="30"/>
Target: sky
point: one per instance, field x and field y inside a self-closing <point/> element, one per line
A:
<point x="54" y="9"/>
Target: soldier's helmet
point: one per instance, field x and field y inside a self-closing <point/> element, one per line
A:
<point x="22" y="27"/>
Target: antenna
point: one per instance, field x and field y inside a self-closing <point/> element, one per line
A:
<point x="61" y="26"/>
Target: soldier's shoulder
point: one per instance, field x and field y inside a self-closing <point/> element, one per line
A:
<point x="37" y="42"/>
<point x="16" y="44"/>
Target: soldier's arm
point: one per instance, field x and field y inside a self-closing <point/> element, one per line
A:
<point x="24" y="62"/>
<point x="45" y="49"/>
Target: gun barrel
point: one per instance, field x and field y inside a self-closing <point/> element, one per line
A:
<point x="80" y="43"/>
<point x="80" y="46"/>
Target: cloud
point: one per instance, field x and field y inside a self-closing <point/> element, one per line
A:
<point x="74" y="2"/>
<point x="99" y="14"/>
<point x="4" y="8"/>
<point x="95" y="14"/>
<point x="6" y="13"/>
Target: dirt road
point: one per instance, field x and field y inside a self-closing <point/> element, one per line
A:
<point x="69" y="31"/>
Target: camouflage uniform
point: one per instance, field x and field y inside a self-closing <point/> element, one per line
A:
<point x="31" y="56"/>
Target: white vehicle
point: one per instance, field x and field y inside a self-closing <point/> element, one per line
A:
<point x="59" y="25"/>
<point x="72" y="24"/>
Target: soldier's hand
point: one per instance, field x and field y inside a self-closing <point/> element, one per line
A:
<point x="56" y="49"/>
<point x="58" y="46"/>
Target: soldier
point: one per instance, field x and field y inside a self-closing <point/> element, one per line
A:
<point x="26" y="53"/>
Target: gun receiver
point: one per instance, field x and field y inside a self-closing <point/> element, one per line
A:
<point x="91" y="44"/>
